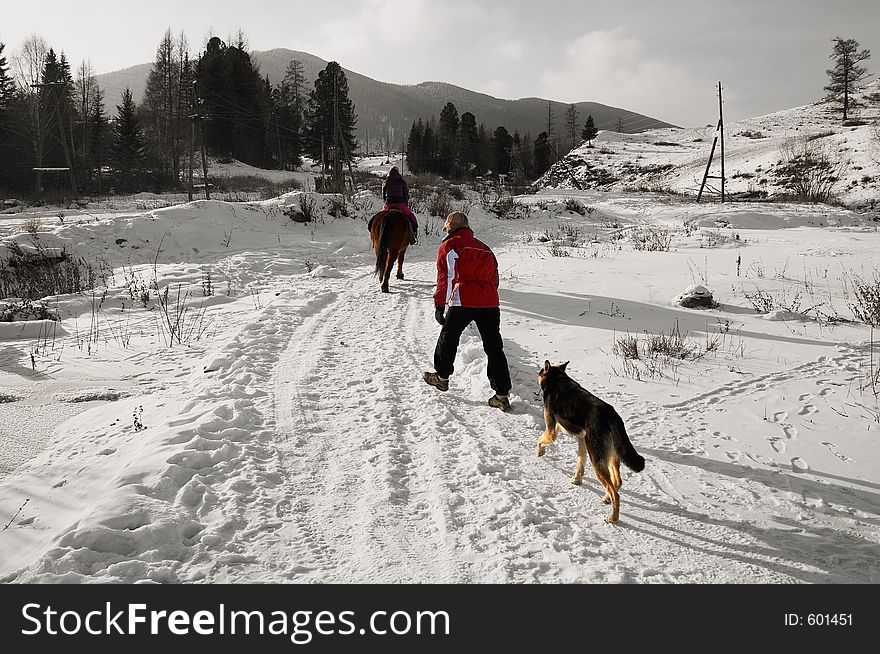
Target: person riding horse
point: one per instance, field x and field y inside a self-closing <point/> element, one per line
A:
<point x="395" y="193"/>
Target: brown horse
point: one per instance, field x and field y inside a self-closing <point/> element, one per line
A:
<point x="390" y="232"/>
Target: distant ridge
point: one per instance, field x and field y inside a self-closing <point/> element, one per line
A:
<point x="389" y="110"/>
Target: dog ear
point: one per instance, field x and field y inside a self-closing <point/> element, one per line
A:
<point x="546" y="366"/>
<point x="563" y="366"/>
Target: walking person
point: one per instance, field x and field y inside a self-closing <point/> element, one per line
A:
<point x="467" y="291"/>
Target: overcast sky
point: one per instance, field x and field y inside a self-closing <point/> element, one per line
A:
<point x="656" y="57"/>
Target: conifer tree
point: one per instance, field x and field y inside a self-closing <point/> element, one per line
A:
<point x="469" y="144"/>
<point x="329" y="102"/>
<point x="129" y="145"/>
<point x="447" y="135"/>
<point x="6" y="101"/>
<point x="502" y="143"/>
<point x="100" y="138"/>
<point x="6" y="85"/>
<point x="846" y="75"/>
<point x="414" y="147"/>
<point x="231" y="91"/>
<point x="428" y="147"/>
<point x="589" y="132"/>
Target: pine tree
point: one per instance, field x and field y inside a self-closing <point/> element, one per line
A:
<point x="6" y="85"/>
<point x="447" y="135"/>
<point x="502" y="143"/>
<point x="847" y="74"/>
<point x="414" y="147"/>
<point x="129" y="145"/>
<point x="469" y="144"/>
<point x="589" y="132"/>
<point x="485" y="154"/>
<point x="329" y="101"/>
<point x="100" y="137"/>
<point x="428" y="149"/>
<point x="6" y="100"/>
<point x="231" y="90"/>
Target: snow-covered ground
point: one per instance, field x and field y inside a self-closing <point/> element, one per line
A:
<point x="290" y="437"/>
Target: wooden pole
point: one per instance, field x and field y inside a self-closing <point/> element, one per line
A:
<point x="721" y="126"/>
<point x="204" y="160"/>
<point x="709" y="163"/>
<point x="192" y="139"/>
<point x="192" y="148"/>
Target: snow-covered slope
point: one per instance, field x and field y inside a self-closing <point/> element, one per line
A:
<point x="674" y="160"/>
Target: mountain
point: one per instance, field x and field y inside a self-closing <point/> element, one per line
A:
<point x="388" y="110"/>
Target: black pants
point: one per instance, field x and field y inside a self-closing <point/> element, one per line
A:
<point x="489" y="324"/>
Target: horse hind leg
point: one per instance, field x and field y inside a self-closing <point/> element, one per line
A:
<point x="386" y="272"/>
<point x="400" y="264"/>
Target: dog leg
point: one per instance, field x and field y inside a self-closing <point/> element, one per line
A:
<point x="547" y="438"/>
<point x="604" y="478"/>
<point x="549" y="435"/>
<point x="578" y="478"/>
<point x="614" y="476"/>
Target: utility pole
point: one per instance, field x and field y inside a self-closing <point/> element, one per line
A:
<point x="192" y="139"/>
<point x="719" y="131"/>
<point x="198" y="117"/>
<point x="721" y="123"/>
<point x="323" y="167"/>
<point x="619" y="124"/>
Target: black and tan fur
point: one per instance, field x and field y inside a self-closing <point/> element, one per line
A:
<point x="596" y="425"/>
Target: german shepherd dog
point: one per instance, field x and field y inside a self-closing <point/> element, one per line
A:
<point x="597" y="427"/>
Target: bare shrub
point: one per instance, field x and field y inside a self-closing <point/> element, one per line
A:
<point x="25" y="310"/>
<point x="865" y="304"/>
<point x="626" y="347"/>
<point x="337" y="206"/>
<point x="651" y="240"/>
<point x="674" y="344"/>
<point x="307" y="207"/>
<point x="808" y="171"/>
<point x="575" y="206"/>
<point x="439" y="203"/>
<point x="180" y="322"/>
<point x="37" y="275"/>
<point x="32" y="225"/>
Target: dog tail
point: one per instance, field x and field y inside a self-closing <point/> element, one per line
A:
<point x="625" y="450"/>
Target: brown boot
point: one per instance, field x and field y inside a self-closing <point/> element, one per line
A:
<point x="499" y="402"/>
<point x="438" y="382"/>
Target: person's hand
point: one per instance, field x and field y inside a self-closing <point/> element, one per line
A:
<point x="438" y="315"/>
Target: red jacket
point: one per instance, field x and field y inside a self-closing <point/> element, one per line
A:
<point x="467" y="272"/>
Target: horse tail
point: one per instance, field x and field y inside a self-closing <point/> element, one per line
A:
<point x="384" y="243"/>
